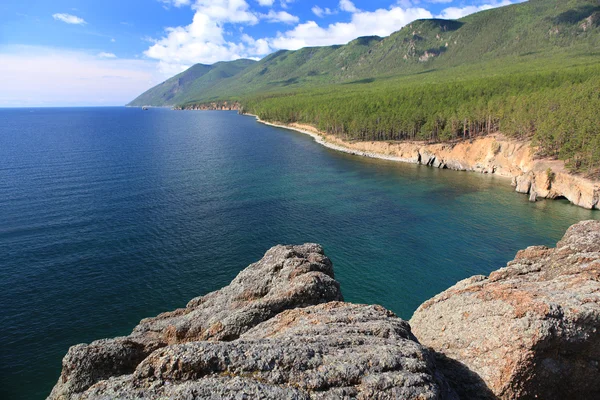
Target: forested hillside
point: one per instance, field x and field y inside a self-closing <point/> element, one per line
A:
<point x="530" y="70"/>
<point x="185" y="86"/>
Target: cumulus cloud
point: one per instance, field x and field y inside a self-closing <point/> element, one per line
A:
<point x="459" y="12"/>
<point x="106" y="55"/>
<point x="348" y="6"/>
<point x="321" y="12"/>
<point x="206" y="40"/>
<point x="280" y="16"/>
<point x="38" y="76"/>
<point x="380" y="22"/>
<point x="69" y="19"/>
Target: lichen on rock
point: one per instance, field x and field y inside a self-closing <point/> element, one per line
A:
<point x="530" y="330"/>
<point x="281" y="331"/>
<point x="286" y="277"/>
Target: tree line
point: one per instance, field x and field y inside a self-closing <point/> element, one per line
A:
<point x="558" y="110"/>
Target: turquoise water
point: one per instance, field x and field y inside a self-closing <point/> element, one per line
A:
<point x="110" y="215"/>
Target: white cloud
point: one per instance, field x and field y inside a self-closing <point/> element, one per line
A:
<point x="106" y="55"/>
<point x="285" y="3"/>
<point x="348" y="6"/>
<point x="459" y="12"/>
<point x="280" y="16"/>
<point x="321" y="12"/>
<point x="232" y="11"/>
<point x="41" y="76"/>
<point x="266" y="3"/>
<point x="381" y="22"/>
<point x="203" y="41"/>
<point x="260" y="46"/>
<point x="177" y="3"/>
<point x="69" y="19"/>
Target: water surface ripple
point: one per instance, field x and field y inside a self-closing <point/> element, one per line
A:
<point x="111" y="215"/>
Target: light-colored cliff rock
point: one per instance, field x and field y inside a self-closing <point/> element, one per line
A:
<point x="492" y="154"/>
<point x="530" y="330"/>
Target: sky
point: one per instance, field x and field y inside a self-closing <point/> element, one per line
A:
<point x="101" y="53"/>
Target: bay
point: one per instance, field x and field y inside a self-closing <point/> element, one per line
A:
<point x="110" y="215"/>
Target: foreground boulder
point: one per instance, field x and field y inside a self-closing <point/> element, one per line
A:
<point x="530" y="330"/>
<point x="278" y="331"/>
<point x="330" y="351"/>
<point x="287" y="277"/>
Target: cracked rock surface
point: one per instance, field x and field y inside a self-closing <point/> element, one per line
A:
<point x="330" y="351"/>
<point x="286" y="277"/>
<point x="279" y="331"/>
<point x="530" y="330"/>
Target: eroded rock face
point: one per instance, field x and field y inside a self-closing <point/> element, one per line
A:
<point x="286" y="277"/>
<point x="529" y="330"/>
<point x="330" y="351"/>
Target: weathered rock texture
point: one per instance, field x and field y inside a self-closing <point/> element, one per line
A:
<point x="280" y="331"/>
<point x="287" y="277"/>
<point x="263" y="336"/>
<point x="492" y="154"/>
<point x="530" y="330"/>
<point x="330" y="351"/>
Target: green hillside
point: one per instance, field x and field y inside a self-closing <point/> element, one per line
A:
<point x="530" y="70"/>
<point x="191" y="83"/>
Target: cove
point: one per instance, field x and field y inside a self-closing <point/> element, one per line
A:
<point x="110" y="215"/>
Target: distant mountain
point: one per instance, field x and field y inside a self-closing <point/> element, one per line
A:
<point x="528" y="28"/>
<point x="191" y="83"/>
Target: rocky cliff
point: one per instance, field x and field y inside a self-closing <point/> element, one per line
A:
<point x="281" y="330"/>
<point x="492" y="154"/>
<point x="530" y="330"/>
<point x="278" y="331"/>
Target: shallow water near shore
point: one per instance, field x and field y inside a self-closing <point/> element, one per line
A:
<point x="110" y="215"/>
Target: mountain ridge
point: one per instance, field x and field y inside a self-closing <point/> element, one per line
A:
<point x="524" y="29"/>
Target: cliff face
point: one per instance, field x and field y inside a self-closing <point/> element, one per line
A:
<point x="281" y="331"/>
<point x="493" y="154"/>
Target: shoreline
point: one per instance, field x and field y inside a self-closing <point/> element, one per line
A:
<point x="493" y="154"/>
<point x="323" y="142"/>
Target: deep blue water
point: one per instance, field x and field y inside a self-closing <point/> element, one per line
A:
<point x="110" y="215"/>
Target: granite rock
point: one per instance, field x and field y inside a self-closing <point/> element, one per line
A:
<point x="286" y="277"/>
<point x="530" y="330"/>
<point x="330" y="351"/>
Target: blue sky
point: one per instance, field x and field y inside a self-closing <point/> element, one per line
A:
<point x="83" y="52"/>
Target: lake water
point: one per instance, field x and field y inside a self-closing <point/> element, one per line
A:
<point x="110" y="215"/>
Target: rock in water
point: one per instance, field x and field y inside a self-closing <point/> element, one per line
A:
<point x="286" y="277"/>
<point x="530" y="330"/>
<point x="330" y="351"/>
